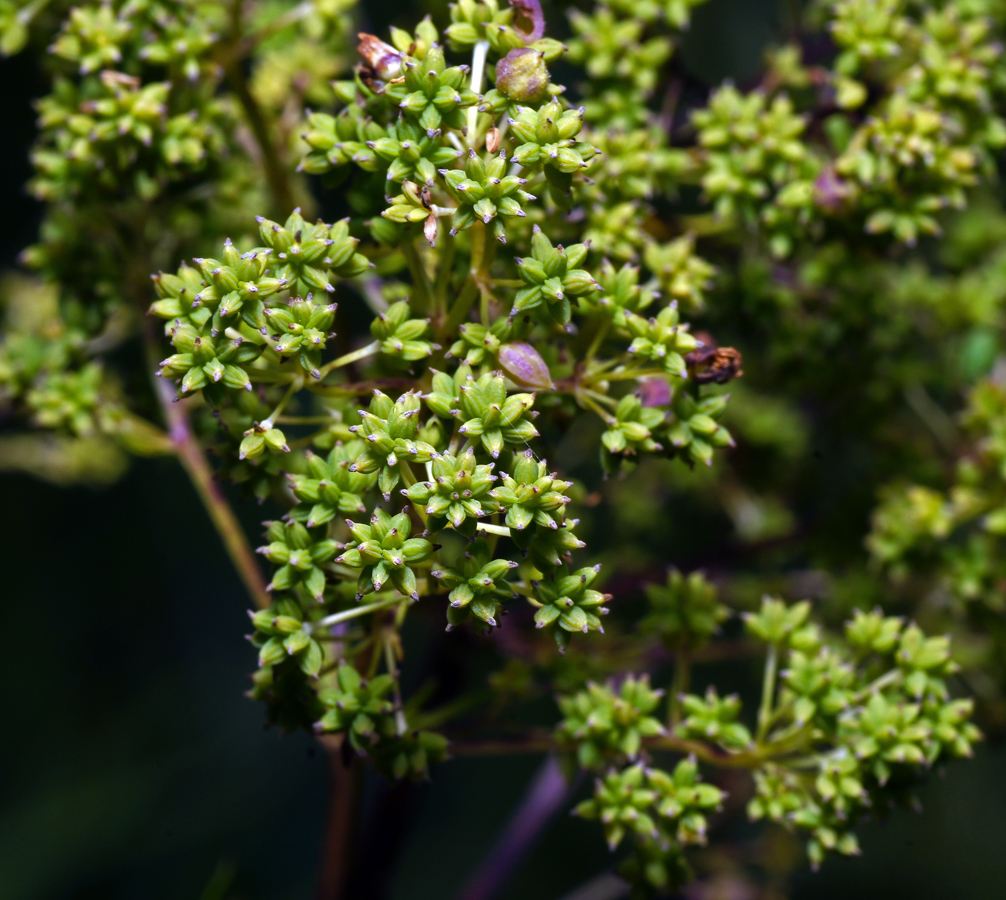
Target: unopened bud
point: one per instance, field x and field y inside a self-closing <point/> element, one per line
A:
<point x="524" y="366"/>
<point x="523" y="76"/>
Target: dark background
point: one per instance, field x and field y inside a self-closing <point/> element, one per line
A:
<point x="132" y="766"/>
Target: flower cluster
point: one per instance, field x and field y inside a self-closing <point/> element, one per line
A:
<point x="528" y="277"/>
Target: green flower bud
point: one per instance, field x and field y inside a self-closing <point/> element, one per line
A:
<point x="356" y="707"/>
<point x="400" y="336"/>
<point x="713" y="718"/>
<point x="459" y="493"/>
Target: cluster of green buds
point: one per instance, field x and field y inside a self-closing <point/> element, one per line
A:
<point x="759" y="168"/>
<point x="258" y="334"/>
<point x="874" y="706"/>
<point x="652" y="804"/>
<point x="685" y="612"/>
<point x="914" y="129"/>
<point x="662" y="812"/>
<point x="607" y="727"/>
<point x="107" y="119"/>
<point x="952" y="537"/>
<point x="839" y="722"/>
<point x="311" y="355"/>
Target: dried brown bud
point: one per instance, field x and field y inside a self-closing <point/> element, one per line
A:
<point x="709" y="364"/>
<point x="430" y="229"/>
<point x="493" y="139"/>
<point x="523" y="365"/>
<point x="523" y="76"/>
<point x="383" y="61"/>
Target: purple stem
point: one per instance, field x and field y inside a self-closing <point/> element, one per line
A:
<point x="545" y="795"/>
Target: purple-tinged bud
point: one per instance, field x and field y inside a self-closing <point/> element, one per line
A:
<point x="523" y="76"/>
<point x="654" y="392"/>
<point x="524" y="366"/>
<point x="528" y="12"/>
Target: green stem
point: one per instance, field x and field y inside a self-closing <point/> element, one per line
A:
<point x="435" y="718"/>
<point x="679" y="686"/>
<point x="295" y="386"/>
<point x="478" y="271"/>
<point x="347" y="358"/>
<point x="443" y="280"/>
<point x="601" y="398"/>
<point x="544" y="743"/>
<point x="627" y="374"/>
<point x="356" y="611"/>
<point x="767" y="693"/>
<point x="401" y="725"/>
<point x="420" y="280"/>
<point x="885" y="680"/>
<point x="592" y="404"/>
<point x="501" y="530"/>
<point x="599" y="337"/>
<point x="361" y="388"/>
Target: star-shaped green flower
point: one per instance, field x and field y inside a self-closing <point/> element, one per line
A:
<point x="204" y="362"/>
<point x="413" y="154"/>
<point x="431" y="93"/>
<point x="552" y="277"/>
<point x="531" y="494"/>
<point x="281" y="633"/>
<point x="484" y="192"/>
<point x="400" y="336"/>
<point x="478" y="586"/>
<point x="356" y="706"/>
<point x="306" y="256"/>
<point x="545" y="138"/>
<point x="494" y="417"/>
<point x="631" y="428"/>
<point x="662" y="339"/>
<point x="330" y="487"/>
<point x="568" y="604"/>
<point x="384" y="552"/>
<point x="299" y="556"/>
<point x="458" y="494"/>
<point x="389" y="430"/>
<point x="301" y="328"/>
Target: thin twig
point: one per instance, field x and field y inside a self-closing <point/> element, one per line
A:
<point x="605" y="887"/>
<point x="190" y="454"/>
<point x="547" y="793"/>
<point x="342" y="800"/>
